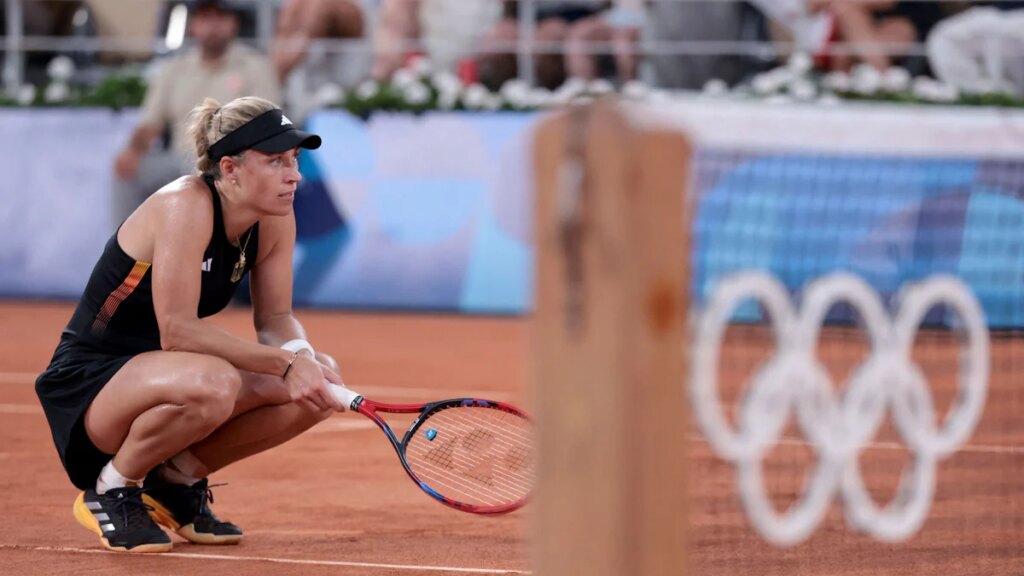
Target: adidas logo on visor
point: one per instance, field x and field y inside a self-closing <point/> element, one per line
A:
<point x="285" y="121"/>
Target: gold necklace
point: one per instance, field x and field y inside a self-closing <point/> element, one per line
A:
<point x="239" y="269"/>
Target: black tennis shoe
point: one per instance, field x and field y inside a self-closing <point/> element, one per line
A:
<point x="121" y="519"/>
<point x="186" y="510"/>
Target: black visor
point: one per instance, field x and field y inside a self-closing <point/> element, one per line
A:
<point x="271" y="132"/>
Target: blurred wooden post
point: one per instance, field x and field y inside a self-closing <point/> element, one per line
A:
<point x="608" y="349"/>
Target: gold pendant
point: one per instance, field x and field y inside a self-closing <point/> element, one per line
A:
<point x="239" y="269"/>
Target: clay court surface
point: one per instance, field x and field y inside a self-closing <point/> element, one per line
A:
<point x="329" y="502"/>
<point x="335" y="501"/>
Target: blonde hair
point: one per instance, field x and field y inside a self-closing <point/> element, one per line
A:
<point x="209" y="122"/>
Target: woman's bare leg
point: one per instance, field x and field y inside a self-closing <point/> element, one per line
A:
<point x="158" y="404"/>
<point x="264" y="417"/>
<point x="161" y="403"/>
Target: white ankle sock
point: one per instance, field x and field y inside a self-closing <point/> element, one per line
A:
<point x="110" y="477"/>
<point x="183" y="468"/>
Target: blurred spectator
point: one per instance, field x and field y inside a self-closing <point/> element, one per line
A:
<point x="981" y="50"/>
<point x="449" y="30"/>
<point x="874" y="24"/>
<point x="792" y="20"/>
<point x="42" y="18"/>
<point x="621" y="27"/>
<point x="554" y="20"/>
<point x="301" y="21"/>
<point x="312" y="76"/>
<point x="218" y="66"/>
<point x="717" y="22"/>
<point x="115" y="19"/>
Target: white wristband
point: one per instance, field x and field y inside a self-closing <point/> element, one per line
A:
<point x="297" y="345"/>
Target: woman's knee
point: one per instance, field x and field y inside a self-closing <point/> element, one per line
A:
<point x="328" y="360"/>
<point x="312" y="414"/>
<point x="209" y="387"/>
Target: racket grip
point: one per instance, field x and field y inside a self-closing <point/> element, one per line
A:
<point x="344" y="395"/>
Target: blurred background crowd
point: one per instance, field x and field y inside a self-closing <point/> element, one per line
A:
<point x="668" y="43"/>
<point x="303" y="53"/>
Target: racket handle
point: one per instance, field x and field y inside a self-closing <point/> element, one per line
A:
<point x="344" y="395"/>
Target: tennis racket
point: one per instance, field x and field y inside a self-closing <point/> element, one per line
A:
<point x="471" y="454"/>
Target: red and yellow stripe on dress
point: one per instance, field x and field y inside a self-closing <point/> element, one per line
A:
<point x="119" y="295"/>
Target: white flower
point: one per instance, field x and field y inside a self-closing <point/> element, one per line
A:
<point x="838" y="82"/>
<point x="516" y="92"/>
<point x="800" y="63"/>
<point x="765" y="84"/>
<point x="367" y="89"/>
<point x="328" y="94"/>
<point x="866" y="79"/>
<point x="446" y="82"/>
<point x="416" y="93"/>
<point x="420" y="66"/>
<point x="559" y="99"/>
<point x="570" y="89"/>
<point x="26" y="95"/>
<point x="781" y="76"/>
<point x="403" y="78"/>
<point x="449" y="88"/>
<point x="539" y="98"/>
<point x="802" y="89"/>
<point x="56" y="92"/>
<point x="715" y="87"/>
<point x="896" y="79"/>
<point x="600" y="86"/>
<point x="933" y="90"/>
<point x="923" y="87"/>
<point x="60" y="69"/>
<point x="492" y="102"/>
<point x="659" y="95"/>
<point x="829" y="99"/>
<point x="475" y="96"/>
<point x="635" y="90"/>
<point x="446" y="100"/>
<point x="946" y="92"/>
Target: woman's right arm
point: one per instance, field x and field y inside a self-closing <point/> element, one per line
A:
<point x="181" y="222"/>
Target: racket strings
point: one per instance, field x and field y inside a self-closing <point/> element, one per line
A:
<point x="516" y="450"/>
<point x="455" y="466"/>
<point x="477" y="455"/>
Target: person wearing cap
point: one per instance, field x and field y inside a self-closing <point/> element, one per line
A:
<point x="144" y="398"/>
<point x="217" y="66"/>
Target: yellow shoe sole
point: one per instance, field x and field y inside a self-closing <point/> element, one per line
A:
<point x="163" y="517"/>
<point x="86" y="519"/>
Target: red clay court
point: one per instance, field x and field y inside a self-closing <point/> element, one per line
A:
<point x="335" y="501"/>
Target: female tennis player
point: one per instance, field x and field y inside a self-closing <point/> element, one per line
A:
<point x="144" y="398"/>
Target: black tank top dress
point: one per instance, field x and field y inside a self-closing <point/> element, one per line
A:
<point x="114" y="322"/>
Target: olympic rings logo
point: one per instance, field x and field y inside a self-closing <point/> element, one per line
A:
<point x="838" y="428"/>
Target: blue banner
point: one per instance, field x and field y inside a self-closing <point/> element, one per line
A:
<point x="424" y="212"/>
<point x="888" y="220"/>
<point x="434" y="212"/>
